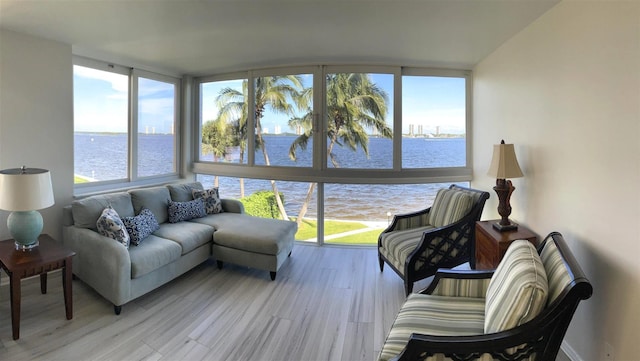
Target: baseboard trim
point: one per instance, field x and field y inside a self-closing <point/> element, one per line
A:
<point x="569" y="352"/>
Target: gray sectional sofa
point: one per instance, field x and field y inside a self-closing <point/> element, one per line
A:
<point x="121" y="274"/>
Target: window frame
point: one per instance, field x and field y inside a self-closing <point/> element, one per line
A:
<point x="319" y="172"/>
<point x="132" y="179"/>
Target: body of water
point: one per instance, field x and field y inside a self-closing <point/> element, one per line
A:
<point x="370" y="202"/>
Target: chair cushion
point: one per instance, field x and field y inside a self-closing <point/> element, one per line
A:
<point x="433" y="315"/>
<point x="558" y="275"/>
<point x="518" y="289"/>
<point x="449" y="206"/>
<point x="397" y="245"/>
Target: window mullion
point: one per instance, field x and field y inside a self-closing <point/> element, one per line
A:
<point x="133" y="126"/>
<point x="251" y="119"/>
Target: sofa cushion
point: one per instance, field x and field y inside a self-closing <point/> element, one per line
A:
<point x="211" y="199"/>
<point x="397" y="245"/>
<point x="449" y="206"/>
<point x="436" y="316"/>
<point x="255" y="234"/>
<point x="184" y="211"/>
<point x="518" y="289"/>
<point x="188" y="235"/>
<point x="156" y="199"/>
<point x="87" y="210"/>
<point x="152" y="254"/>
<point x="182" y="192"/>
<point x="140" y="226"/>
<point x="110" y="225"/>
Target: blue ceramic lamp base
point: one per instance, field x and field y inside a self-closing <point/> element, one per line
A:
<point x="25" y="227"/>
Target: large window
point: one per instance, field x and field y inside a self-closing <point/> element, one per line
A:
<point x="341" y="148"/>
<point x="110" y="101"/>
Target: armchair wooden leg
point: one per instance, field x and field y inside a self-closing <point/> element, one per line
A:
<point x="219" y="263"/>
<point x="381" y="261"/>
<point x="408" y="287"/>
<point x="117" y="309"/>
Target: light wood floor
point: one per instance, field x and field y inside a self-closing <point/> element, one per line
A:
<point x="327" y="303"/>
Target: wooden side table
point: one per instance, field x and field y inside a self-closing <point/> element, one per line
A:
<point x="18" y="264"/>
<point x="492" y="244"/>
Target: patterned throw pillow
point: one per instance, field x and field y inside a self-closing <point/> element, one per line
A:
<point x="212" y="202"/>
<point x="184" y="211"/>
<point x="110" y="225"/>
<point x="141" y="226"/>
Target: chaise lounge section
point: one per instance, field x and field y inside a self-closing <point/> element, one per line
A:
<point x="121" y="274"/>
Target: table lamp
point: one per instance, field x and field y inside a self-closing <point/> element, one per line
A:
<point x="504" y="165"/>
<point x="24" y="191"/>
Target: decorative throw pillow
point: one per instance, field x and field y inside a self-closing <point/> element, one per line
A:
<point x="141" y="226"/>
<point x="211" y="197"/>
<point x="184" y="211"/>
<point x="110" y="225"/>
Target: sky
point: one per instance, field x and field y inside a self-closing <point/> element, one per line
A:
<point x="101" y="105"/>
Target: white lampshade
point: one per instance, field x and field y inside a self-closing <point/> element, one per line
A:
<point x="25" y="189"/>
<point x="504" y="163"/>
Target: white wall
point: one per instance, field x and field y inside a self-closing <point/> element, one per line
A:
<point x="566" y="92"/>
<point x="36" y="116"/>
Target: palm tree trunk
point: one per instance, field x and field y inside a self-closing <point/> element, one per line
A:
<point x="305" y="205"/>
<point x="312" y="186"/>
<point x="274" y="187"/>
<point x="241" y="179"/>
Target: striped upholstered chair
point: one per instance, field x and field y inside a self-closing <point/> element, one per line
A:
<point x="519" y="312"/>
<point x="416" y="245"/>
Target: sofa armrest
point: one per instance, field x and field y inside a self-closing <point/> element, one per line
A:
<point x="232" y="205"/>
<point x="459" y="283"/>
<point x="101" y="262"/>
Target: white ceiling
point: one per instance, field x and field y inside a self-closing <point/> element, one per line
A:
<point x="208" y="37"/>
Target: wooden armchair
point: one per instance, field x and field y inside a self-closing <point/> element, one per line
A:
<point x="416" y="245"/>
<point x="519" y="312"/>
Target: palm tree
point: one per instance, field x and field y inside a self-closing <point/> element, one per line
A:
<point x="354" y="104"/>
<point x="274" y="92"/>
<point x="233" y="110"/>
<point x="216" y="139"/>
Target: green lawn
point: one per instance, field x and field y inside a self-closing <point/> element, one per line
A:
<point x="308" y="231"/>
<point x="368" y="238"/>
<point x="308" y="228"/>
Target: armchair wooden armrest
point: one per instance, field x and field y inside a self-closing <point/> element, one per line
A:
<point x="513" y="344"/>
<point x="459" y="283"/>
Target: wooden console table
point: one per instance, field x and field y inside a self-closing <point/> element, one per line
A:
<point x="492" y="244"/>
<point x="18" y="264"/>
